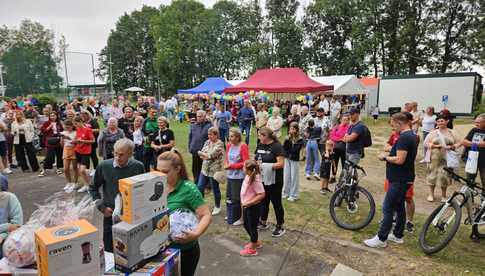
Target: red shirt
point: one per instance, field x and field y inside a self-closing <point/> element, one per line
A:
<point x="84" y="133"/>
<point x="393" y="139"/>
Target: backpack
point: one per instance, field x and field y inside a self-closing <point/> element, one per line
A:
<point x="366" y="137"/>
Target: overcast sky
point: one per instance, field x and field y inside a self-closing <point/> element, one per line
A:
<point x="85" y="24"/>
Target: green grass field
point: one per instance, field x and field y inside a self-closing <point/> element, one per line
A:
<point x="462" y="256"/>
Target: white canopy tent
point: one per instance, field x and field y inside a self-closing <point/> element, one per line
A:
<point x="234" y="82"/>
<point x="343" y="85"/>
<point x="134" y="89"/>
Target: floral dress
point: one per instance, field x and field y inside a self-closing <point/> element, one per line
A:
<point x="437" y="161"/>
<point x="215" y="162"/>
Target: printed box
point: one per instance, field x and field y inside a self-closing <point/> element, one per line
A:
<point x="69" y="249"/>
<point x="143" y="196"/>
<point x="133" y="245"/>
<point x="166" y="265"/>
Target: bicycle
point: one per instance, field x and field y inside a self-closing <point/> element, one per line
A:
<point x="448" y="216"/>
<point x="352" y="207"/>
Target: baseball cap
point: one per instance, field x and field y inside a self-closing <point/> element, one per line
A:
<point x="354" y="110"/>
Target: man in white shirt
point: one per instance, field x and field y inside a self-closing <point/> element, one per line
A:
<point x="335" y="110"/>
<point x="325" y="124"/>
<point x="324" y="104"/>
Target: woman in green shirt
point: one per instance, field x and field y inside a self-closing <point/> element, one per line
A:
<point x="183" y="194"/>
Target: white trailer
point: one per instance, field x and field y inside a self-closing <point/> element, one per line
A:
<point x="458" y="92"/>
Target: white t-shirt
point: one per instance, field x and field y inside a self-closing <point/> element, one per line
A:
<point x="71" y="135"/>
<point x="428" y="122"/>
<point x="375" y="111"/>
<point x="335" y="108"/>
<point x="138" y="137"/>
<point x="325" y="105"/>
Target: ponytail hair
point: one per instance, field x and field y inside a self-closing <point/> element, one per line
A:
<point x="177" y="162"/>
<point x="252" y="169"/>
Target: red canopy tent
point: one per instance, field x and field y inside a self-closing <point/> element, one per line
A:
<point x="280" y="80"/>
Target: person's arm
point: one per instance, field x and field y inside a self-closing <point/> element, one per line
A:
<point x="467" y="142"/>
<point x="15" y="217"/>
<point x="171" y="142"/>
<point x="205" y="219"/>
<point x="255" y="200"/>
<point x="399" y="159"/>
<point x="96" y="183"/>
<point x="101" y="143"/>
<point x="95" y="126"/>
<point x="280" y="162"/>
<point x="90" y="139"/>
<point x="349" y="138"/>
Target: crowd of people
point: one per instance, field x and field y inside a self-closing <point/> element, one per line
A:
<point x="321" y="133"/>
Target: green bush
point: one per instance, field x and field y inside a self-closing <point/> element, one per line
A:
<point x="45" y="99"/>
<point x="480" y="109"/>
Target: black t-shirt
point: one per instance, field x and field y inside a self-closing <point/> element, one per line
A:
<point x="477" y="135"/>
<point x="128" y="127"/>
<point x="142" y="109"/>
<point x="163" y="138"/>
<point x="314" y="132"/>
<point x="268" y="153"/>
<point x="357" y="145"/>
<point x="403" y="173"/>
<point x="292" y="150"/>
<point x="93" y="124"/>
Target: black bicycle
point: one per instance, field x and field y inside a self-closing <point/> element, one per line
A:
<point x="443" y="223"/>
<point x="352" y="207"/>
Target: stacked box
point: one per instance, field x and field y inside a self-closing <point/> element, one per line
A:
<point x="69" y="249"/>
<point x="134" y="244"/>
<point x="143" y="197"/>
<point x="165" y="264"/>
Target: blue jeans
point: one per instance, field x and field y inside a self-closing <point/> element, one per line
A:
<point x="223" y="134"/>
<point x="246" y="129"/>
<point x="202" y="183"/>
<point x="394" y="202"/>
<point x="312" y="158"/>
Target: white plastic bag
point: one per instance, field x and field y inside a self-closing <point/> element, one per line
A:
<point x="452" y="159"/>
<point x="182" y="220"/>
<point x="19" y="247"/>
<point x="472" y="162"/>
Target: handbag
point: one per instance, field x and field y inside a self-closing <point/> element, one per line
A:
<point x="452" y="157"/>
<point x="53" y="140"/>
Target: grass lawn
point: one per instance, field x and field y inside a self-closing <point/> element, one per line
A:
<point x="462" y="256"/>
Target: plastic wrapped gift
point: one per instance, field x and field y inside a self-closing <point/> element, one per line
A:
<point x="19" y="247"/>
<point x="182" y="220"/>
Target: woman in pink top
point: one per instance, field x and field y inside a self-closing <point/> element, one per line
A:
<point x="337" y="134"/>
<point x="252" y="193"/>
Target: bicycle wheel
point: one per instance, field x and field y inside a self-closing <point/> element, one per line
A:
<point x="436" y="235"/>
<point x="352" y="210"/>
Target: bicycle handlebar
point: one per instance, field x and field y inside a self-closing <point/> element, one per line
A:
<point x="352" y="164"/>
<point x="459" y="178"/>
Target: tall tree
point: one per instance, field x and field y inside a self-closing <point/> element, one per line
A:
<point x="286" y="33"/>
<point x="453" y="26"/>
<point x="336" y="41"/>
<point x="30" y="61"/>
<point x="178" y="32"/>
<point x="131" y="48"/>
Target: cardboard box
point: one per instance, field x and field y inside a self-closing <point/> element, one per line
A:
<point x="168" y="264"/>
<point x="69" y="249"/>
<point x="143" y="196"/>
<point x="133" y="245"/>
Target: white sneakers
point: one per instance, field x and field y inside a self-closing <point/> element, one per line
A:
<point x="375" y="242"/>
<point x="238" y="222"/>
<point x="395" y="239"/>
<point x="292" y="199"/>
<point x="7" y="171"/>
<point x="216" y="211"/>
<point x="70" y="187"/>
<point x="83" y="189"/>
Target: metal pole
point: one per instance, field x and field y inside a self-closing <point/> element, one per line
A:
<point x="110" y="75"/>
<point x="2" y="88"/>
<point x="65" y="71"/>
<point x="94" y="74"/>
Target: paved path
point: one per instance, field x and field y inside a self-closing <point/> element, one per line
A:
<point x="220" y="253"/>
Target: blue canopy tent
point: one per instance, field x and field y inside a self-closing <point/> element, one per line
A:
<point x="210" y="84"/>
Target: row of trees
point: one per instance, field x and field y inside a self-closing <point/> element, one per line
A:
<point x="181" y="44"/>
<point x="29" y="59"/>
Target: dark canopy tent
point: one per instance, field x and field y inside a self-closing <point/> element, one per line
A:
<point x="210" y="84"/>
<point x="280" y="80"/>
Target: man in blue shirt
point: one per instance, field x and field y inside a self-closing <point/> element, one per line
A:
<point x="245" y="118"/>
<point x="353" y="138"/>
<point x="399" y="172"/>
<point x="223" y="119"/>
